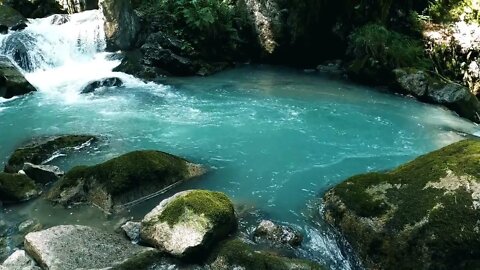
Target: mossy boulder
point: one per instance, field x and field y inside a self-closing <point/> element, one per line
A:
<point x="422" y="215"/>
<point x="122" y="181"/>
<point x="16" y="188"/>
<point x="42" y="149"/>
<point x="236" y="254"/>
<point x="187" y="224"/>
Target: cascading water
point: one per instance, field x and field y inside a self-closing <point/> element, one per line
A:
<point x="61" y="53"/>
<point x="275" y="139"/>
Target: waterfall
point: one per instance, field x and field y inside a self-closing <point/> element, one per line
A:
<point x="60" y="54"/>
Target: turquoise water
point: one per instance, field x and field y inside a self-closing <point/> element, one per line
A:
<point x="274" y="139"/>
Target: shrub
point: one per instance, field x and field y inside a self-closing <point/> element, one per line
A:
<point x="376" y="51"/>
<point x="454" y="10"/>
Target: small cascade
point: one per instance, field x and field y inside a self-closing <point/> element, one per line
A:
<point x="56" y="41"/>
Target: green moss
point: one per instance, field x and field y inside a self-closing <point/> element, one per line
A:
<point x="37" y="152"/>
<point x="9" y="16"/>
<point x="16" y="187"/>
<point x="127" y="172"/>
<point x="215" y="206"/>
<point x="238" y="253"/>
<point x="423" y="227"/>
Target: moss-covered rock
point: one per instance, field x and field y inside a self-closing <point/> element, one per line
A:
<point x="187" y="224"/>
<point x="123" y="180"/>
<point x="421" y="215"/>
<point x="16" y="187"/>
<point x="41" y="149"/>
<point x="236" y="254"/>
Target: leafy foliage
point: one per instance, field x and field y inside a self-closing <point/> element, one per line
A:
<point x="204" y="23"/>
<point x="377" y="50"/>
<point x="454" y="10"/>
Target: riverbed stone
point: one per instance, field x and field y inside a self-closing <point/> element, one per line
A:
<point x="16" y="188"/>
<point x="277" y="234"/>
<point x="68" y="247"/>
<point x="421" y="215"/>
<point x="40" y="150"/>
<point x="124" y="180"/>
<point x="237" y="254"/>
<point x="12" y="81"/>
<point x="187" y="224"/>
<point x="20" y="260"/>
<point x="42" y="173"/>
<point x="105" y="82"/>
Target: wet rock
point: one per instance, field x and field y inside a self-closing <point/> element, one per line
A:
<point x="429" y="88"/>
<point x="132" y="230"/>
<point x="19" y="27"/>
<point x="35" y="9"/>
<point x="16" y="188"/>
<point x="59" y="19"/>
<point x="277" y="234"/>
<point x="3" y="29"/>
<point x="189" y="223"/>
<point x="20" y="260"/>
<point x="106" y="82"/>
<point x="236" y="254"/>
<point x="41" y="149"/>
<point x="76" y="6"/>
<point x="79" y="247"/>
<point x="122" y="181"/>
<point x="9" y="16"/>
<point x="121" y="24"/>
<point x="12" y="81"/>
<point x="42" y="173"/>
<point x="166" y="59"/>
<point x="421" y="215"/>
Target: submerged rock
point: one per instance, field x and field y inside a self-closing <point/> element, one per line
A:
<point x="421" y="215"/>
<point x="19" y="260"/>
<point x="187" y="224"/>
<point x="124" y="180"/>
<point x="12" y="81"/>
<point x="106" y="82"/>
<point x="277" y="234"/>
<point x="236" y="254"/>
<point x="19" y="27"/>
<point x="16" y="188"/>
<point x="435" y="90"/>
<point x="68" y="247"/>
<point x="59" y="19"/>
<point x="42" y="173"/>
<point x="42" y="149"/>
<point x="121" y="24"/>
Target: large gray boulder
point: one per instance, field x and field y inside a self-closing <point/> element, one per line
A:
<point x="122" y="181"/>
<point x="9" y="16"/>
<point x="189" y="223"/>
<point x="69" y="247"/>
<point x="12" y="81"/>
<point x="121" y="24"/>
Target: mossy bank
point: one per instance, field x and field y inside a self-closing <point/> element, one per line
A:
<point x="421" y="215"/>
